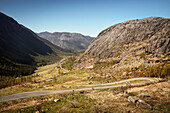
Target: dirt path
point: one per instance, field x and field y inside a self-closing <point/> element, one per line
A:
<point x="39" y="93"/>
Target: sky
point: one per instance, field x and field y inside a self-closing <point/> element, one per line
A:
<point x="88" y="17"/>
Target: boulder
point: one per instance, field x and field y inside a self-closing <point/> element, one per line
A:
<point x="90" y="67"/>
<point x="133" y="99"/>
<point x="57" y="100"/>
<point x="82" y="91"/>
<point x="124" y="74"/>
<point x="142" y="104"/>
<point x="144" y="95"/>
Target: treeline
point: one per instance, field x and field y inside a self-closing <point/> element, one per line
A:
<point x="9" y="68"/>
<point x="6" y="81"/>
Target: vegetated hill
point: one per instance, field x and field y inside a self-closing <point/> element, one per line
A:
<point x="149" y="35"/>
<point x="66" y="40"/>
<point x="21" y="49"/>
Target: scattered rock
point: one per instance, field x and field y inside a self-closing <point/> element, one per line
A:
<point x="124" y="74"/>
<point x="130" y="73"/>
<point x="46" y="86"/>
<point x="90" y="77"/>
<point x="144" y="95"/>
<point x="143" y="104"/>
<point x="82" y="92"/>
<point x="57" y="100"/>
<point x="108" y="76"/>
<point x="81" y="67"/>
<point x="69" y="87"/>
<point x="90" y="67"/>
<point x="133" y="99"/>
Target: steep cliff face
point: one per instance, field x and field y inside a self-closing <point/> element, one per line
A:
<point x="65" y="40"/>
<point x="150" y="35"/>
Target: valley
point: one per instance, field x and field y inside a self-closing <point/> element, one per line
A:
<point x="126" y="68"/>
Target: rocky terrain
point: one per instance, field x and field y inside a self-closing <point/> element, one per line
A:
<point x="132" y="45"/>
<point x="66" y="40"/>
<point x="149" y="35"/>
<point x="125" y="69"/>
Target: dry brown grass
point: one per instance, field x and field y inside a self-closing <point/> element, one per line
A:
<point x="22" y="103"/>
<point x="117" y="98"/>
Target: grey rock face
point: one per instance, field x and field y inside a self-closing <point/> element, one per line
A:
<point x="73" y="41"/>
<point x="152" y="35"/>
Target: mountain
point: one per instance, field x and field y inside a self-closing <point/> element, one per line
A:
<point x="21" y="49"/>
<point x="149" y="35"/>
<point x="65" y="40"/>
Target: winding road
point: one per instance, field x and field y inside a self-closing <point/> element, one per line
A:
<point x="102" y="86"/>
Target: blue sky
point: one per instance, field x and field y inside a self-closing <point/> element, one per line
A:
<point x="88" y="17"/>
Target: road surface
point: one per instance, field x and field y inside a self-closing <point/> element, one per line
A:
<point x="39" y="93"/>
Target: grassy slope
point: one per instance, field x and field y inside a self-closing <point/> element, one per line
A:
<point x="113" y="100"/>
<point x="53" y="77"/>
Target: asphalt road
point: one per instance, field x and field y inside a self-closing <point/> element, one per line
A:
<point x="39" y="93"/>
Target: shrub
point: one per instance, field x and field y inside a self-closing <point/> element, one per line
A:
<point x="69" y="64"/>
<point x="6" y="81"/>
<point x="162" y="71"/>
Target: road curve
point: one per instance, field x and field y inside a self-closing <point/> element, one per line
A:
<point x="118" y="82"/>
<point x="39" y="93"/>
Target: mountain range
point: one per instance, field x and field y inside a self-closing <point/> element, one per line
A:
<point x="72" y="41"/>
<point x="21" y="50"/>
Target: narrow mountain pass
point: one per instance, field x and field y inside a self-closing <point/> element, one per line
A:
<point x="39" y="93"/>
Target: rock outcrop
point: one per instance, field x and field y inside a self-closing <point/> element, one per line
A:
<point x="150" y="35"/>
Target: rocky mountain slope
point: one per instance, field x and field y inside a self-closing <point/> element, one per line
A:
<point x="21" y="48"/>
<point x="133" y="46"/>
<point x="148" y="35"/>
<point x="72" y="41"/>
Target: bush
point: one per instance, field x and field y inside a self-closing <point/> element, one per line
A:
<point x="6" y="81"/>
<point x="69" y="64"/>
<point x="162" y="71"/>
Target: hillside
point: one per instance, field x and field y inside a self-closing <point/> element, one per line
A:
<point x="149" y="35"/>
<point x="66" y="40"/>
<point x="133" y="79"/>
<point x="141" y="45"/>
<point x="21" y="49"/>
